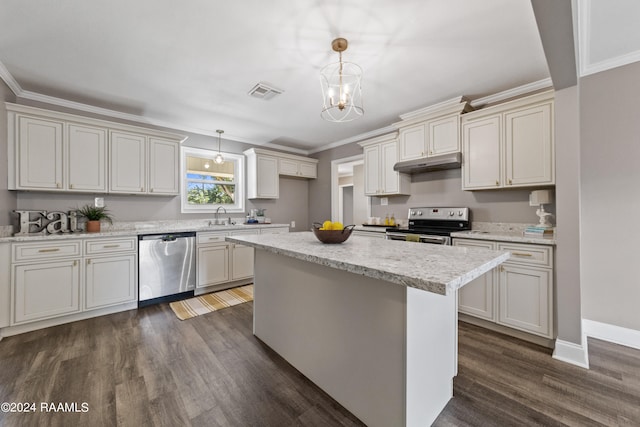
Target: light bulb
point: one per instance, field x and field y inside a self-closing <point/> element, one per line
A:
<point x="207" y="165"/>
<point x="219" y="159"/>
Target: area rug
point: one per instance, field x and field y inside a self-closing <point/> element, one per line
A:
<point x="203" y="304"/>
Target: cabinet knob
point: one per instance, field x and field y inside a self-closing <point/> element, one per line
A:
<point x="88" y="261"/>
<point x="70" y="186"/>
<point x="430" y="152"/>
<point x="510" y="183"/>
<point x="57" y="185"/>
<point x="151" y="191"/>
<point x="141" y="188"/>
<point x="75" y="263"/>
<point x="502" y="268"/>
<point x="497" y="183"/>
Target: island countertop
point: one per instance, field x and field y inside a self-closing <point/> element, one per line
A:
<point x="434" y="268"/>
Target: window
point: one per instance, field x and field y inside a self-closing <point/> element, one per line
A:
<point x="206" y="185"/>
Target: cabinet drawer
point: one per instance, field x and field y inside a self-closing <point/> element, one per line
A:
<point x="107" y="246"/>
<point x="207" y="238"/>
<point x="45" y="250"/>
<point x="528" y="254"/>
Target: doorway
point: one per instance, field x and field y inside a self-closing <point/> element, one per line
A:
<point x="349" y="205"/>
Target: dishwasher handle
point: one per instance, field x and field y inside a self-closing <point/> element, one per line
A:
<point x="167" y="237"/>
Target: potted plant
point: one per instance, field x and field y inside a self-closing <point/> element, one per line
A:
<point x="94" y="215"/>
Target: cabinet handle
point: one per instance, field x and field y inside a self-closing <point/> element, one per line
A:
<point x="502" y="269"/>
<point x="49" y="250"/>
<point x="110" y="246"/>
<point x="70" y="186"/>
<point x="75" y="263"/>
<point x="141" y="188"/>
<point x="57" y="185"/>
<point x="510" y="181"/>
<point x="88" y="261"/>
<point x="430" y="152"/>
<point x="497" y="183"/>
<point x="151" y="191"/>
<point x="520" y="254"/>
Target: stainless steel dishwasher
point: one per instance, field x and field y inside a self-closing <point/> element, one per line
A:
<point x="167" y="267"/>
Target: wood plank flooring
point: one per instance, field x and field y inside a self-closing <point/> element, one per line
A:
<point x="146" y="368"/>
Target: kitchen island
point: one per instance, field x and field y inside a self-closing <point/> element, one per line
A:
<point x="372" y="322"/>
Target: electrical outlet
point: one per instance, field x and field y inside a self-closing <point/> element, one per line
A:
<point x="99" y="202"/>
<point x="384" y="201"/>
<point x="293" y="224"/>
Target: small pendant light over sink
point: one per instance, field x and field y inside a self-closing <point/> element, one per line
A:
<point x="341" y="90"/>
<point x="219" y="159"/>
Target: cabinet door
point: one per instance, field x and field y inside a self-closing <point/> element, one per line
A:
<point x="5" y="284"/>
<point x="241" y="261"/>
<point x="110" y="280"/>
<point x="164" y="167"/>
<point x="476" y="297"/>
<point x="412" y="142"/>
<point x="372" y="170"/>
<point x="86" y="158"/>
<point x="128" y="163"/>
<point x="525" y="298"/>
<point x="213" y="265"/>
<point x="481" y="164"/>
<point x="308" y="170"/>
<point x="39" y="154"/>
<point x="388" y="158"/>
<point x="288" y="167"/>
<point x="444" y="136"/>
<point x="45" y="290"/>
<point x="267" y="177"/>
<point x="529" y="147"/>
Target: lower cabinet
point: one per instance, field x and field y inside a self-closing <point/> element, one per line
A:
<point x="110" y="280"/>
<point x="46" y="289"/>
<point x="241" y="261"/>
<point x="213" y="265"/>
<point x="50" y="279"/>
<point x="517" y="294"/>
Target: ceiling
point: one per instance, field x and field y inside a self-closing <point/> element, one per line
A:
<point x="189" y="64"/>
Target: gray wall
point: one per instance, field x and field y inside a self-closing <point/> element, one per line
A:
<point x="8" y="199"/>
<point x="609" y="184"/>
<point x="347" y="211"/>
<point x="567" y="267"/>
<point x="359" y="199"/>
<point x="291" y="206"/>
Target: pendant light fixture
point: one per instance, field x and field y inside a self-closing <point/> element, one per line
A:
<point x="341" y="90"/>
<point x="219" y="159"/>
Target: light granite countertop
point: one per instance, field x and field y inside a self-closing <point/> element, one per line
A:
<point x="138" y="228"/>
<point x="434" y="268"/>
<point x="503" y="232"/>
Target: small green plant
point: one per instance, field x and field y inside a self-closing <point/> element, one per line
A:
<point x="93" y="213"/>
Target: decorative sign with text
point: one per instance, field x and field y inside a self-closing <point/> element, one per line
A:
<point x="43" y="222"/>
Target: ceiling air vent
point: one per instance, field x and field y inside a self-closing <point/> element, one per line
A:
<point x="264" y="91"/>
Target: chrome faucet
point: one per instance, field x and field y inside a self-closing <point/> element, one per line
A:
<point x="218" y="211"/>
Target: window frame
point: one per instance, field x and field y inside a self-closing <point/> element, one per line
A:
<point x="238" y="172"/>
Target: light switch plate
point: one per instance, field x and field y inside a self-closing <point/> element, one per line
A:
<point x="384" y="201"/>
<point x="99" y="202"/>
<point x="293" y="224"/>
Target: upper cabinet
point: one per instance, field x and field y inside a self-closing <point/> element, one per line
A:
<point x="52" y="151"/>
<point x="431" y="131"/>
<point x="380" y="154"/>
<point x="264" y="168"/>
<point x="509" y="145"/>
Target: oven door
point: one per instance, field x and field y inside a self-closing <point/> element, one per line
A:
<point x="422" y="238"/>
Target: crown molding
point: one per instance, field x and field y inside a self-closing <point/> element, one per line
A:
<point x="356" y="138"/>
<point x="513" y="93"/>
<point x="6" y="76"/>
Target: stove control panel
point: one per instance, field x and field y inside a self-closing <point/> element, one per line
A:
<point x="426" y="213"/>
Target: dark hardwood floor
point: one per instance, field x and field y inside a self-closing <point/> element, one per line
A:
<point x="147" y="368"/>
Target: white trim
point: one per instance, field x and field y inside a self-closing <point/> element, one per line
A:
<point x="584" y="42"/>
<point x="455" y="105"/>
<point x="572" y="353"/>
<point x="356" y="138"/>
<point x="512" y="93"/>
<point x="612" y="333"/>
<point x="335" y="192"/>
<point x="9" y="80"/>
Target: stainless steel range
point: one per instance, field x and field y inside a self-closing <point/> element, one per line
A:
<point x="432" y="225"/>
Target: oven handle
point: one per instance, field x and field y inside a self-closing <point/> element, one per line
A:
<point x="396" y="236"/>
<point x="438" y="240"/>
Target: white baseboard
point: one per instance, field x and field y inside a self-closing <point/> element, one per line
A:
<point x="612" y="333"/>
<point x="572" y="353"/>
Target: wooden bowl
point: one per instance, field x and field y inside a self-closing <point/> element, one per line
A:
<point x="332" y="236"/>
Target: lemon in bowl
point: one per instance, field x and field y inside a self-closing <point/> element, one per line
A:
<point x="332" y="232"/>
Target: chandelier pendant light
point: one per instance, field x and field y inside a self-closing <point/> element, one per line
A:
<point x="219" y="159"/>
<point x="341" y="88"/>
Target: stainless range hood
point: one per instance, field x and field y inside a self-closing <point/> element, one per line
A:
<point x="428" y="164"/>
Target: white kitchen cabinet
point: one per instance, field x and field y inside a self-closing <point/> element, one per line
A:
<point x="510" y="145"/>
<point x="213" y="265"/>
<point x="241" y="257"/>
<point x="53" y="151"/>
<point x="39" y="154"/>
<point x="517" y="294"/>
<point x="164" y="167"/>
<point x="86" y="158"/>
<point x="264" y="168"/>
<point x="444" y="135"/>
<point x="43" y="290"/>
<point x="380" y="154"/>
<point x="297" y="168"/>
<point x="476" y="298"/>
<point x="110" y="280"/>
<point x="413" y="142"/>
<point x="128" y="163"/>
<point x="262" y="175"/>
<point x="5" y="284"/>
